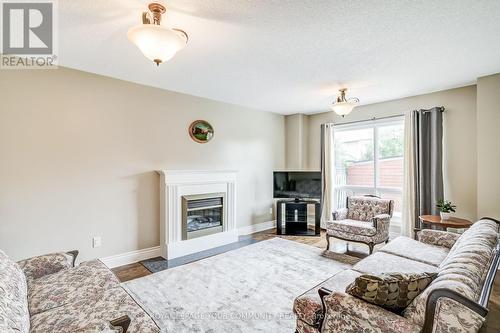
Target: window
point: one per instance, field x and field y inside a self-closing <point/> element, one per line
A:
<point x="369" y="160"/>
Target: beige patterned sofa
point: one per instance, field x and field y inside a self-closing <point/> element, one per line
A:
<point x="48" y="294"/>
<point x="454" y="302"/>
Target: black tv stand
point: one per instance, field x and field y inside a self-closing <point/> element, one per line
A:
<point x="291" y="217"/>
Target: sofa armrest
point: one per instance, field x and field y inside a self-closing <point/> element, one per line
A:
<point x="340" y="214"/>
<point x="123" y="322"/>
<point x="346" y="313"/>
<point x="449" y="311"/>
<point x="437" y="237"/>
<point x="381" y="219"/>
<point x="37" y="267"/>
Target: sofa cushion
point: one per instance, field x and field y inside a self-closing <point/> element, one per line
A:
<point x="347" y="314"/>
<point x="302" y="327"/>
<point x="414" y="250"/>
<point x="94" y="314"/>
<point x="392" y="291"/>
<point x="14" y="316"/>
<point x="308" y="305"/>
<point x="438" y="237"/>
<point x="352" y="226"/>
<point x="464" y="269"/>
<point x="380" y="263"/>
<point x="87" y="280"/>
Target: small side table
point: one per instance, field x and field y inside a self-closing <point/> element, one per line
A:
<point x="292" y="218"/>
<point x="435" y="222"/>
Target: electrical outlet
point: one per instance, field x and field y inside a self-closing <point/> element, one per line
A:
<point x="96" y="241"/>
<point x="271" y="211"/>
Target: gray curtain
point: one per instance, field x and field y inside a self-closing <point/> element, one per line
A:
<point x="428" y="140"/>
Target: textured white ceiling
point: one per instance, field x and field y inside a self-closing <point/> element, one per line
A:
<point x="291" y="56"/>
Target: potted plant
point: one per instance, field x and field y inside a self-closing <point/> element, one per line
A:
<point x="445" y="208"/>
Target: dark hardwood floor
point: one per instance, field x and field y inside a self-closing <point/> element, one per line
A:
<point x="130" y="272"/>
<point x="136" y="270"/>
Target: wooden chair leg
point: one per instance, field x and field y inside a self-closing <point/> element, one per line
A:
<point x="327" y="242"/>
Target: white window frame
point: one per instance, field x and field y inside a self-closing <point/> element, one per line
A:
<point x="375" y="189"/>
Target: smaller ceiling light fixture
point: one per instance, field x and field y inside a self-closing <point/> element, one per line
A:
<point x="343" y="106"/>
<point x="156" y="42"/>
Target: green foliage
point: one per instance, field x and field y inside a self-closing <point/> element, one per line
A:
<point x="392" y="147"/>
<point x="391" y="143"/>
<point x="351" y="152"/>
<point x="367" y="152"/>
<point x="445" y="206"/>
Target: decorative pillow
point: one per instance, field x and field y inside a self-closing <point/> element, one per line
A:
<point x="392" y="291"/>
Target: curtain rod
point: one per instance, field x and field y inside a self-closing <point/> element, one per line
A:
<point x="440" y="108"/>
<point x="371" y="119"/>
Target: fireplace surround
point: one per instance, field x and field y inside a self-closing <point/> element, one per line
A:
<point x="197" y="211"/>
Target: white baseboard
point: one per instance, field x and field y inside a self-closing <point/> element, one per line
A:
<point x="253" y="228"/>
<point x="131" y="257"/>
<point x="135" y="256"/>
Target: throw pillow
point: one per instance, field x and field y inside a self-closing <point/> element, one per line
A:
<point x="392" y="291"/>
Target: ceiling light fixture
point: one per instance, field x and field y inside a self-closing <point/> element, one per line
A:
<point x="156" y="42"/>
<point x="343" y="106"/>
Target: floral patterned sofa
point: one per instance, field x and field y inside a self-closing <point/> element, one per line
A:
<point x="454" y="302"/>
<point x="365" y="219"/>
<point x="48" y="294"/>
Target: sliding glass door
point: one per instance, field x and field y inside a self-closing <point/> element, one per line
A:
<point x="369" y="160"/>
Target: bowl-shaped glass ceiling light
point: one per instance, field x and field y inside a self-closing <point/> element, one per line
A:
<point x="157" y="43"/>
<point x="343" y="106"/>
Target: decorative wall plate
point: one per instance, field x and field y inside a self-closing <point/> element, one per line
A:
<point x="201" y="131"/>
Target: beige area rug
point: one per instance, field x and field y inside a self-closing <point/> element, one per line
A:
<point x="250" y="289"/>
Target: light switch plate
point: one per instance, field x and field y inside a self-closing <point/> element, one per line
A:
<point x="96" y="241"/>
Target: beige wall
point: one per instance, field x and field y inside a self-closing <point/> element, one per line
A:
<point x="459" y="141"/>
<point x="488" y="146"/>
<point x="78" y="153"/>
<point x="296" y="136"/>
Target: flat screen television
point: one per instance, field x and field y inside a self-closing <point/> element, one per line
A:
<point x="297" y="184"/>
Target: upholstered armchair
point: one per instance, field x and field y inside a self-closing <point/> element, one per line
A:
<point x="364" y="220"/>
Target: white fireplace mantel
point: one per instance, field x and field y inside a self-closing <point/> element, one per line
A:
<point x="174" y="184"/>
